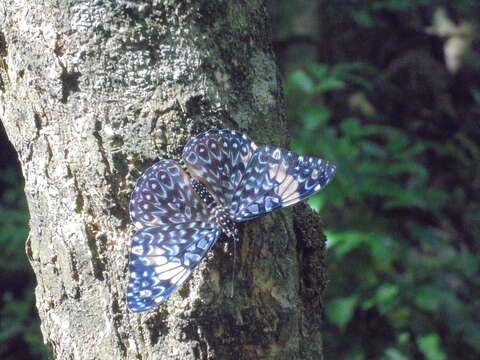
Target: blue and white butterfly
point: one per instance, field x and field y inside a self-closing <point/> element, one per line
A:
<point x="180" y="218"/>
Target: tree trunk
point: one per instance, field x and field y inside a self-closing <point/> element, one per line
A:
<point x="91" y="94"/>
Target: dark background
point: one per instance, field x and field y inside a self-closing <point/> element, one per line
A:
<point x="388" y="90"/>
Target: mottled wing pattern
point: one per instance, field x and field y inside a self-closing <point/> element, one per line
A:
<point x="278" y="178"/>
<point x="218" y="159"/>
<point x="163" y="195"/>
<point x="162" y="258"/>
<point x="177" y="229"/>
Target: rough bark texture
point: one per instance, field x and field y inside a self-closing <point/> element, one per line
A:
<point x="91" y="94"/>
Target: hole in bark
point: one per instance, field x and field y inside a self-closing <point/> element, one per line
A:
<point x="37" y="120"/>
<point x="69" y="84"/>
<point x="137" y="12"/>
<point x="157" y="327"/>
<point x="196" y="105"/>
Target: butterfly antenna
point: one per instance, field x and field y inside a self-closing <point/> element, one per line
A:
<point x="234" y="263"/>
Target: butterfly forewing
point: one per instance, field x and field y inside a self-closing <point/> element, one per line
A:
<point x="163" y="196"/>
<point x="218" y="159"/>
<point x="277" y="178"/>
<point x="162" y="258"/>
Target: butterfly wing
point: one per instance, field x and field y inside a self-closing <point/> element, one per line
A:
<point x="218" y="159"/>
<point x="162" y="258"/>
<point x="277" y="178"/>
<point x="176" y="231"/>
<point x="163" y="195"/>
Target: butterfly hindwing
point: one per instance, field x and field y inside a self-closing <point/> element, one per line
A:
<point x="218" y="159"/>
<point x="277" y="178"/>
<point x="162" y="258"/>
<point x="163" y="196"/>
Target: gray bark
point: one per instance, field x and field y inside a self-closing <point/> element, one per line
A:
<point x="91" y="94"/>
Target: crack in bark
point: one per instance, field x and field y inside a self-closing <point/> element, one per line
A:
<point x="4" y="79"/>
<point x="97" y="264"/>
<point x="103" y="152"/>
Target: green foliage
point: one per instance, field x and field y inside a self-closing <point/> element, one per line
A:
<point x="365" y="13"/>
<point x="402" y="286"/>
<point x="19" y="326"/>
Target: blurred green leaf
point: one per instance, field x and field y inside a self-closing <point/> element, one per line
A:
<point x="340" y="311"/>
<point x="344" y="242"/>
<point x="356" y="354"/>
<point x="319" y="71"/>
<point x="314" y="117"/>
<point x="430" y="347"/>
<point x="330" y="83"/>
<point x="394" y="354"/>
<point x="299" y="79"/>
<point x="428" y="298"/>
<point x="362" y="17"/>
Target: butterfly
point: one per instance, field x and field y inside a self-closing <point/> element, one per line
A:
<point x="180" y="217"/>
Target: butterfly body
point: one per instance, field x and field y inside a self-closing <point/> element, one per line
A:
<point x="180" y="217"/>
<point x="224" y="222"/>
<point x="220" y="214"/>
